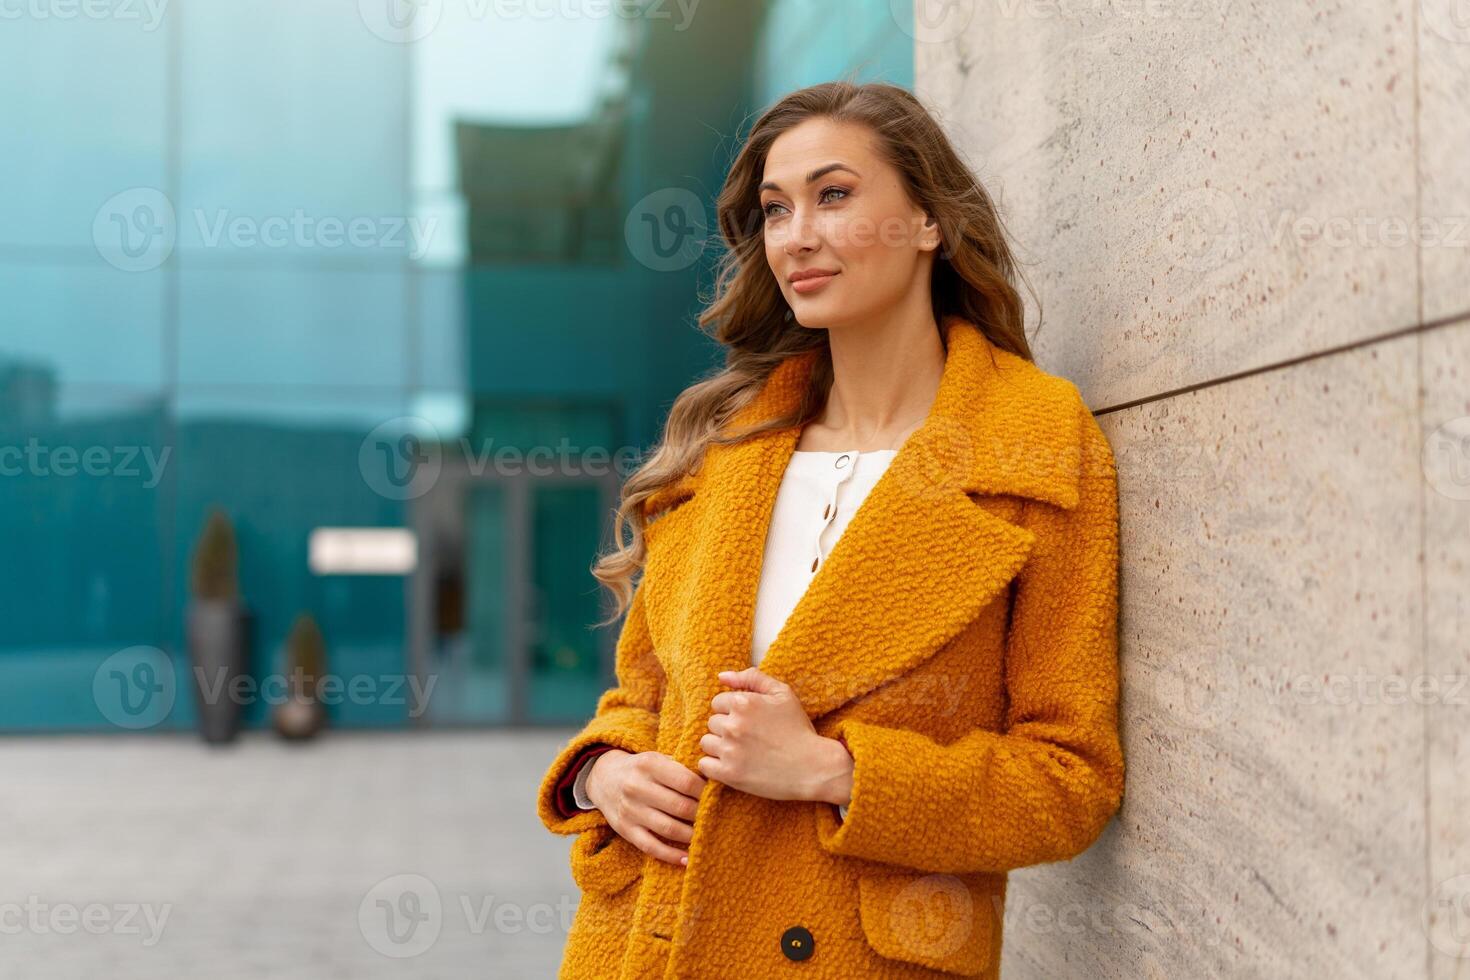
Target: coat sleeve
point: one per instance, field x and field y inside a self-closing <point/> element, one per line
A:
<point x="626" y="718"/>
<point x="1043" y="789"/>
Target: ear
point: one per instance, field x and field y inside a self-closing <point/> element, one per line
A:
<point x="932" y="236"/>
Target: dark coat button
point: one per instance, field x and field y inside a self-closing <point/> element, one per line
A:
<point x="797" y="943"/>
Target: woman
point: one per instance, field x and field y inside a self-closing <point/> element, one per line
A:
<point x="837" y="727"/>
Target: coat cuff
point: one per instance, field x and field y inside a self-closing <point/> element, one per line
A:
<point x="866" y="828"/>
<point x="633" y="730"/>
<point x="989" y="802"/>
<point x="566" y="798"/>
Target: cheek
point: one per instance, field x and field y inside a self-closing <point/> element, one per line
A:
<point x="882" y="247"/>
<point x="862" y="241"/>
<point x="775" y="255"/>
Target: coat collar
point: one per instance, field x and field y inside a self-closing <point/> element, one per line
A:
<point x="919" y="559"/>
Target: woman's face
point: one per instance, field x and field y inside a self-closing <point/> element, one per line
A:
<point x="833" y="206"/>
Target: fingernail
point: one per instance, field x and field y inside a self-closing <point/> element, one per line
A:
<point x="684" y="860"/>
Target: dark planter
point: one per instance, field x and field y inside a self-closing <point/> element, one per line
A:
<point x="216" y="636"/>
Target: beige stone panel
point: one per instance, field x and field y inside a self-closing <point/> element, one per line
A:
<point x="1447" y="576"/>
<point x="1198" y="187"/>
<point x="1273" y="822"/>
<point x="1444" y="156"/>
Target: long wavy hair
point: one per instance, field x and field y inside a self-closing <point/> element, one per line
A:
<point x="973" y="278"/>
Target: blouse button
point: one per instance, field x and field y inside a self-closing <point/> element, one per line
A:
<point x="827" y="510"/>
<point x="842" y="461"/>
<point x="814" y="564"/>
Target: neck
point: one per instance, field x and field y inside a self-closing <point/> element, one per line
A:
<point x="884" y="379"/>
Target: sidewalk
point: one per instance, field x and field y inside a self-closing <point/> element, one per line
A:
<point x="360" y="856"/>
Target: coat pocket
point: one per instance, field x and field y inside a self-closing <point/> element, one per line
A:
<point x="943" y="921"/>
<point x="603" y="861"/>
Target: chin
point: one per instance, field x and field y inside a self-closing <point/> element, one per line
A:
<point x="815" y="316"/>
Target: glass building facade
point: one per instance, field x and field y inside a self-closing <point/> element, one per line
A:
<point x="321" y="269"/>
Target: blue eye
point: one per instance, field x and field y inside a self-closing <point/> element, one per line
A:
<point x="821" y="198"/>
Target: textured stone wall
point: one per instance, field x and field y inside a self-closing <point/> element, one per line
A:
<point x="1249" y="227"/>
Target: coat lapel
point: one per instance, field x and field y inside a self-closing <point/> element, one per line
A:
<point x="919" y="559"/>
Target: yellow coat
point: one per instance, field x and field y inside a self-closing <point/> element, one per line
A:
<point x="961" y="638"/>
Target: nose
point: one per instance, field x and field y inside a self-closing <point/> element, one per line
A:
<point x="801" y="233"/>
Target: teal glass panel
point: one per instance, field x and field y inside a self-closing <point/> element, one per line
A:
<point x="83" y="521"/>
<point x="293" y="325"/>
<point x="84" y="120"/>
<point x="289" y="109"/>
<point x="566" y="675"/>
<point x="85" y="323"/>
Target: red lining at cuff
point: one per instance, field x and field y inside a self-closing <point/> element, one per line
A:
<point x="566" y="802"/>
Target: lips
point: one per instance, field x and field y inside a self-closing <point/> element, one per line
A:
<point x="810" y="280"/>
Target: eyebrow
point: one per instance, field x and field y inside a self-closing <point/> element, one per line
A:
<point x="817" y="174"/>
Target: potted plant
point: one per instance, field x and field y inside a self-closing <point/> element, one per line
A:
<point x="301" y="714"/>
<point x="215" y="629"/>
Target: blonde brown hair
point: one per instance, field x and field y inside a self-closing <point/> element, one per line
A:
<point x="973" y="279"/>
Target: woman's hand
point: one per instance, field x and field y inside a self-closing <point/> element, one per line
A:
<point x="761" y="742"/>
<point x="647" y="797"/>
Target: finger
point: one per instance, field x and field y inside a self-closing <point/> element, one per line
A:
<point x="666" y="825"/>
<point x="750" y="679"/>
<point x="728" y="702"/>
<point x="646" y="842"/>
<point x="676" y="776"/>
<point x="677" y="806"/>
<point x="710" y="766"/>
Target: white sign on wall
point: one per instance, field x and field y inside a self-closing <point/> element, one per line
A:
<point x="362" y="551"/>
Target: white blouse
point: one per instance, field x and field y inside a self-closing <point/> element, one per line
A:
<point x="819" y="493"/>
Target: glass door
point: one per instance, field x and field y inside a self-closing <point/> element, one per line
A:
<point x="504" y="600"/>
